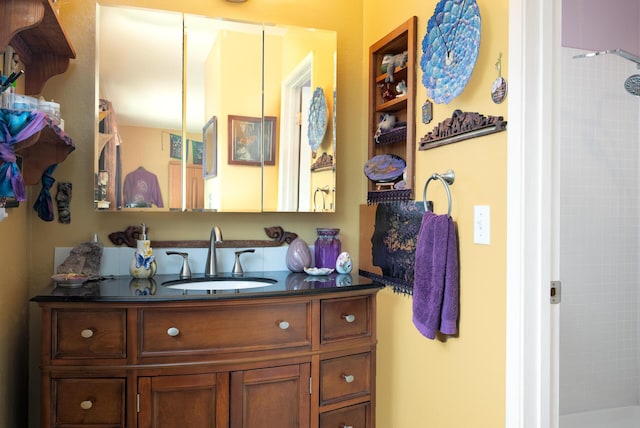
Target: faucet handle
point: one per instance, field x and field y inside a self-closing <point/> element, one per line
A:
<point x="237" y="267"/>
<point x="185" y="271"/>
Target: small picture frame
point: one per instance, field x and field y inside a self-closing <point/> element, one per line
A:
<point x="210" y="149"/>
<point x="196" y="149"/>
<point x="249" y="142"/>
<point x="175" y="146"/>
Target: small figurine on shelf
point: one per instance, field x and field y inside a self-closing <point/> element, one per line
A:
<point x="387" y="92"/>
<point x="391" y="61"/>
<point x="401" y="89"/>
<point x="385" y="123"/>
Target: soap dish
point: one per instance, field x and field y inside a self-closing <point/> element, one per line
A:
<point x="69" y="279"/>
<point x="318" y="271"/>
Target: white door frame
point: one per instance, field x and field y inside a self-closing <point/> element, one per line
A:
<point x="289" y="158"/>
<point x="529" y="222"/>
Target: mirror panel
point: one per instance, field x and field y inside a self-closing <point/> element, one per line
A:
<point x="245" y="149"/>
<point x="224" y="79"/>
<point x="140" y="130"/>
<point x="300" y="82"/>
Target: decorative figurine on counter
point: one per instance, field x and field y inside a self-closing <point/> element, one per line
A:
<point x="143" y="264"/>
<point x="298" y="255"/>
<point x="344" y="264"/>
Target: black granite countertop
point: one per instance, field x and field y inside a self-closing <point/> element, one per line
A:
<point x="128" y="289"/>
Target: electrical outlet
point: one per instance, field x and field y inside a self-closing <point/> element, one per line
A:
<point x="482" y="224"/>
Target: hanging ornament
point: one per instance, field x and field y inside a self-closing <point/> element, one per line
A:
<point x="427" y="111"/>
<point x="499" y="87"/>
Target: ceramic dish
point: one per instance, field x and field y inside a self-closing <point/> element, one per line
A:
<point x="384" y="168"/>
<point x="69" y="279"/>
<point x="317" y="119"/>
<point x="318" y="271"/>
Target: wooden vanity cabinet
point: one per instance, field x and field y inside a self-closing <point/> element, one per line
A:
<point x="270" y="362"/>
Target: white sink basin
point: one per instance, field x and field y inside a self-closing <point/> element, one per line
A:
<point x="219" y="283"/>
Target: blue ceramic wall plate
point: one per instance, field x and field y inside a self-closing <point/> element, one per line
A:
<point x="317" y="119"/>
<point x="384" y="168"/>
<point x="450" y="48"/>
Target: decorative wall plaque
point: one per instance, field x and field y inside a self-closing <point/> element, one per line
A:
<point x="462" y="126"/>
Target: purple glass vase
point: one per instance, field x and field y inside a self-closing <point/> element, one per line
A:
<point x="327" y="247"/>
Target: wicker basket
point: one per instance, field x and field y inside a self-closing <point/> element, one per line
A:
<point x="393" y="136"/>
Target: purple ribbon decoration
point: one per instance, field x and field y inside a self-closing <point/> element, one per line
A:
<point x="15" y="126"/>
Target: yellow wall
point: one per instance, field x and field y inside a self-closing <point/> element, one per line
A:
<point x="459" y="383"/>
<point x="14" y="253"/>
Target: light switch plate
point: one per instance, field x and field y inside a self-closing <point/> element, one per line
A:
<point x="482" y="224"/>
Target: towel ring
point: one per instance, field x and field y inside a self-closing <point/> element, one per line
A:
<point x="324" y="191"/>
<point x="446" y="179"/>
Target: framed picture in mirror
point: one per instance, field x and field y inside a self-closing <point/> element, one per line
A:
<point x="245" y="140"/>
<point x="209" y="151"/>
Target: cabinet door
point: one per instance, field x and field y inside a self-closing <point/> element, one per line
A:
<point x="194" y="401"/>
<point x="276" y="397"/>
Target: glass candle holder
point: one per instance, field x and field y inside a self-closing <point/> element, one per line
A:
<point x="327" y="247"/>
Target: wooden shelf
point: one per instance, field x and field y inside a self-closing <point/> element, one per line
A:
<point x="34" y="31"/>
<point x="396" y="104"/>
<point x="401" y="39"/>
<point x="43" y="149"/>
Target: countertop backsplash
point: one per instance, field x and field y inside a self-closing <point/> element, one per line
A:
<point x="115" y="260"/>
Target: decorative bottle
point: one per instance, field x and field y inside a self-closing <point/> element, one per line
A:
<point x="327" y="247"/>
<point x="143" y="264"/>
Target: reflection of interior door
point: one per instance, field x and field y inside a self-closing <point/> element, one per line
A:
<point x="291" y="134"/>
<point x="194" y="188"/>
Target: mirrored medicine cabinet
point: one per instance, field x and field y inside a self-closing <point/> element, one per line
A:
<point x="206" y="114"/>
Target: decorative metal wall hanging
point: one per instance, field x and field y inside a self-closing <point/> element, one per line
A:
<point x="462" y="126"/>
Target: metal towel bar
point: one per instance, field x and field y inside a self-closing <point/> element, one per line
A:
<point x="446" y="179"/>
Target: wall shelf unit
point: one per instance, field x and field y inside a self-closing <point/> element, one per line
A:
<point x="48" y="146"/>
<point x="402" y="106"/>
<point x="33" y="30"/>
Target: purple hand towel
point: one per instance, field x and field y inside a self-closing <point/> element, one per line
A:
<point x="436" y="290"/>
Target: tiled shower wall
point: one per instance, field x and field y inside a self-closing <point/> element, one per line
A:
<point x="599" y="136"/>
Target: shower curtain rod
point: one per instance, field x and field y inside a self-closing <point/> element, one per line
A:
<point x="624" y="54"/>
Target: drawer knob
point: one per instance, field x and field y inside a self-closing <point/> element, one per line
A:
<point x="173" y="331"/>
<point x="283" y="325"/>
<point x="86" y="405"/>
<point x="86" y="333"/>
<point x="346" y="426"/>
<point x="348" y="378"/>
<point x="349" y="318"/>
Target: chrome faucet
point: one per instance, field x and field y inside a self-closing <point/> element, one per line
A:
<point x="210" y="268"/>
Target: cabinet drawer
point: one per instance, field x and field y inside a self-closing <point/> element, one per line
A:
<point x="229" y="328"/>
<point x="88" y="333"/>
<point x="348" y="417"/>
<point x="83" y="402"/>
<point x="345" y="318"/>
<point x="345" y="377"/>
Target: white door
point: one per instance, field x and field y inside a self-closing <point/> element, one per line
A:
<point x="530" y="401"/>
